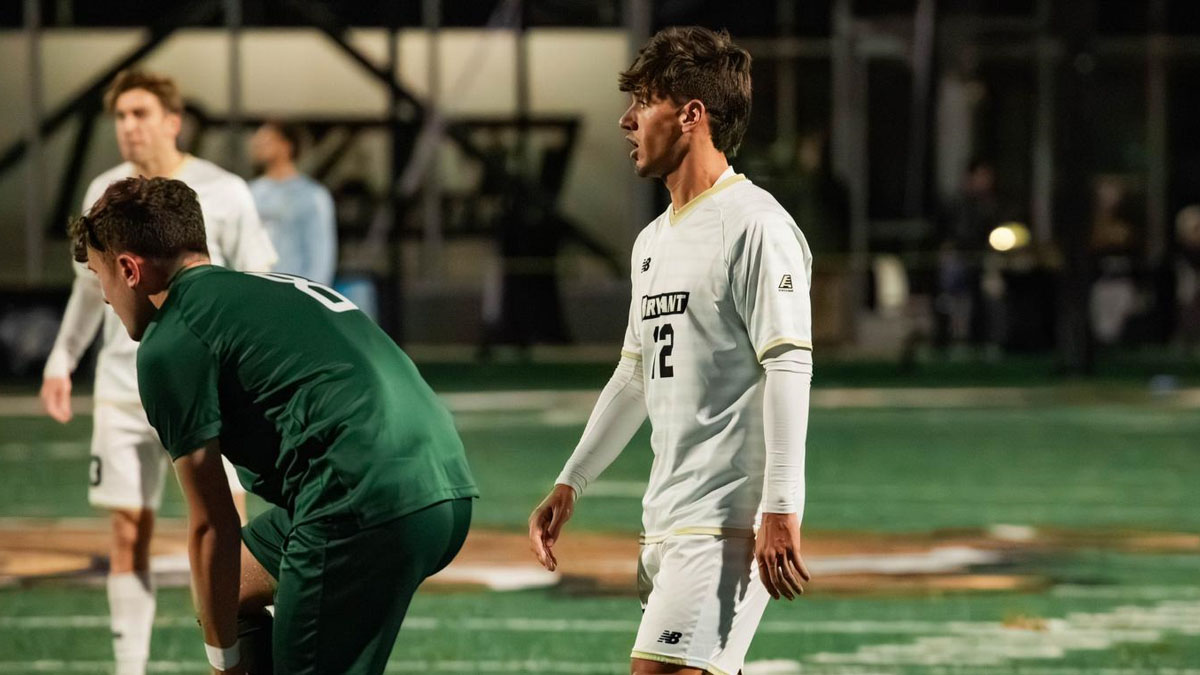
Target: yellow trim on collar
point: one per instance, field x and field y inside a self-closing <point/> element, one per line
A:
<point x="802" y="344"/>
<point x="717" y="187"/>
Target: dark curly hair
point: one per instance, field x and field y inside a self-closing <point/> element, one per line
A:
<point x="156" y="218"/>
<point x="685" y="63"/>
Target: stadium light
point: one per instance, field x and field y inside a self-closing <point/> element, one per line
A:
<point x="1009" y="236"/>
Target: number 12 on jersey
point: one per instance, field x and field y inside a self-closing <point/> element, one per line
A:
<point x="664" y="342"/>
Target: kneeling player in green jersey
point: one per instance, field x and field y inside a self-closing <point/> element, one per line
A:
<point x="323" y="415"/>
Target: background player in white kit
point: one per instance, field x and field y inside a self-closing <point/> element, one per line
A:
<point x="718" y="353"/>
<point x="128" y="461"/>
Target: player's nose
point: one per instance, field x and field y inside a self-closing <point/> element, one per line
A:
<point x="626" y="119"/>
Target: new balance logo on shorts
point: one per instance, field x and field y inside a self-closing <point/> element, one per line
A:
<point x="670" y="637"/>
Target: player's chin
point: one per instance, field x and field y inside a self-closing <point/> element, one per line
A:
<point x="133" y="152"/>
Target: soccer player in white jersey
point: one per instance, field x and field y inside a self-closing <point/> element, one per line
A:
<point x="718" y="353"/>
<point x="128" y="463"/>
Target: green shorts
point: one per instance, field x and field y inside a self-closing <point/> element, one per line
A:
<point x="343" y="591"/>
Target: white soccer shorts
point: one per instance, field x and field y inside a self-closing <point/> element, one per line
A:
<point x="702" y="601"/>
<point x="128" y="463"/>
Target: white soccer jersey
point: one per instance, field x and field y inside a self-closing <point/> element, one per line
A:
<point x="236" y="238"/>
<point x="715" y="287"/>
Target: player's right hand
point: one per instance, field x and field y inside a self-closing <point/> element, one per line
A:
<point x="546" y="523"/>
<point x="56" y="398"/>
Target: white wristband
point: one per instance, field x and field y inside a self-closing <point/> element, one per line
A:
<point x="224" y="658"/>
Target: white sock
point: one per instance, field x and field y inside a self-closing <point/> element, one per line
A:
<point x="131" y="603"/>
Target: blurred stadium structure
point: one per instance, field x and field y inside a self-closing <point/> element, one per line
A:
<point x="484" y="197"/>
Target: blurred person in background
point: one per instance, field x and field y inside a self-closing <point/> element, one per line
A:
<point x="822" y="201"/>
<point x="965" y="227"/>
<point x="1187" y="276"/>
<point x="128" y="462"/>
<point x="1115" y="245"/>
<point x="296" y="210"/>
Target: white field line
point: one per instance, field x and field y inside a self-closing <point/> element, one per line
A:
<point x="848" y="492"/>
<point x="170" y="569"/>
<point x="938" y="648"/>
<point x="1078" y="631"/>
<point x="1126" y="592"/>
<point x="542" y="400"/>
<point x="165" y="523"/>
<point x="840" y="496"/>
<point x="771" y="667"/>
<point x="963" y="647"/>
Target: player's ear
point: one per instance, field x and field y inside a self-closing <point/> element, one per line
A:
<point x="691" y="114"/>
<point x="130" y="269"/>
<point x="174" y="123"/>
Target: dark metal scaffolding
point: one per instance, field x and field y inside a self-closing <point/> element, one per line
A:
<point x="408" y="119"/>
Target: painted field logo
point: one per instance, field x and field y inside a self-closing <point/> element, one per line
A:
<point x="670" y="637"/>
<point x="654" y="306"/>
<point x="785" y="284"/>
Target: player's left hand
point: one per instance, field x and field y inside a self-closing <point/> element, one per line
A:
<point x="777" y="551"/>
<point x="56" y="398"/>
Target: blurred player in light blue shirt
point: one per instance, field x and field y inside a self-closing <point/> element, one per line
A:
<point x="296" y="210"/>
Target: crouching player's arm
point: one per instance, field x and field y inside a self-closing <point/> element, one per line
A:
<point x="618" y="414"/>
<point x="785" y="428"/>
<point x="214" y="549"/>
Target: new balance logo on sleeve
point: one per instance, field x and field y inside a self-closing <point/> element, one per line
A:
<point x="785" y="284"/>
<point x="646" y="265"/>
<point x="670" y="637"/>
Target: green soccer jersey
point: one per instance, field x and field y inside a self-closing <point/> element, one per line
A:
<point x="320" y="411"/>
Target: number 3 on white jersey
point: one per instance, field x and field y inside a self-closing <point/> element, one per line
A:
<point x="333" y="301"/>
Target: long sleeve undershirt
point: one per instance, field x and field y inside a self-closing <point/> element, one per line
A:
<point x="785" y="430"/>
<point x="81" y="320"/>
<point x="618" y="414"/>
